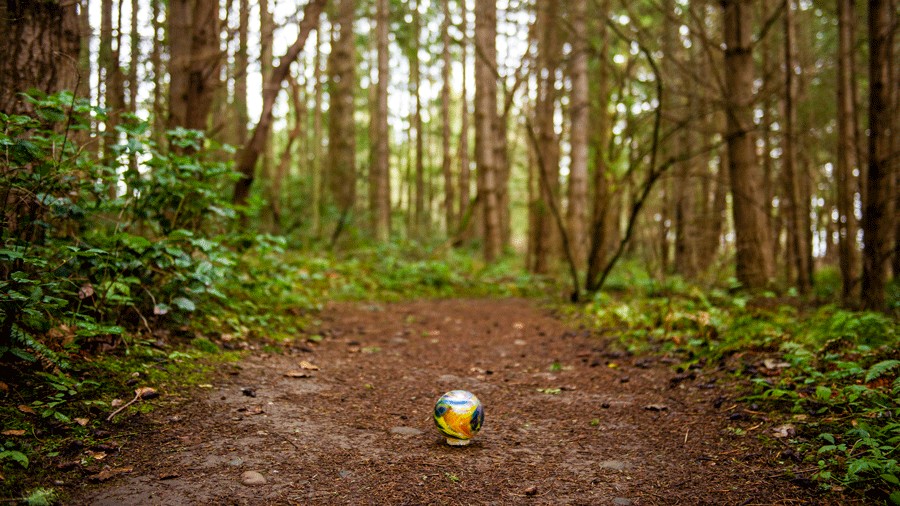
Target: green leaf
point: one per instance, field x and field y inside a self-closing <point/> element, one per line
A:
<point x="890" y="478"/>
<point x="878" y="370"/>
<point x="135" y="242"/>
<point x="184" y="303"/>
<point x="895" y="497"/>
<point x="823" y="393"/>
<point x="16" y="456"/>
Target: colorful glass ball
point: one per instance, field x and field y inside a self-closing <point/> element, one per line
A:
<point x="458" y="415"/>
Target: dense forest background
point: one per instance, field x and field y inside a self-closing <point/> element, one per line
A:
<point x="752" y="140"/>
<point x="716" y="181"/>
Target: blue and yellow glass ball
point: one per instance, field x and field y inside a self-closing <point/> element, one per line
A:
<point x="458" y="415"/>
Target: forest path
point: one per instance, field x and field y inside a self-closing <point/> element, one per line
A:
<point x="598" y="428"/>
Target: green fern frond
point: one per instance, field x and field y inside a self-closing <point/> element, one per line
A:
<point x="43" y="353"/>
<point x="880" y="369"/>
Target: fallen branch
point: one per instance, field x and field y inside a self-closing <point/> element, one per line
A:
<point x="140" y="393"/>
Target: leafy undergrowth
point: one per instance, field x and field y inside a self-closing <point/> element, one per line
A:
<point x="830" y="377"/>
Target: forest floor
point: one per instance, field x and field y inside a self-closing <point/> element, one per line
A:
<point x="568" y="420"/>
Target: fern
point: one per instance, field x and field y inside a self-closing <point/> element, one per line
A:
<point x="44" y="354"/>
<point x="880" y="369"/>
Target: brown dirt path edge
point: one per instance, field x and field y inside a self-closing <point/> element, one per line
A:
<point x="327" y="439"/>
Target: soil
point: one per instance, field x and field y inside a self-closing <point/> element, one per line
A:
<point x="567" y="421"/>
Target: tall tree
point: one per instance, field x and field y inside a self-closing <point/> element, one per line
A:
<point x="878" y="214"/>
<point x="846" y="153"/>
<point x="486" y="120"/>
<point x="241" y="61"/>
<point x="754" y="262"/>
<point x="545" y="241"/>
<point x="341" y="127"/>
<point x="797" y="205"/>
<point x="250" y="153"/>
<point x="464" y="169"/>
<point x="379" y="172"/>
<point x="580" y="130"/>
<point x="446" y="156"/>
<point x="418" y="218"/>
<point x="39" y="49"/>
<point x="195" y="59"/>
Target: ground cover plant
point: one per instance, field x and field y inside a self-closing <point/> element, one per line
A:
<point x="828" y="377"/>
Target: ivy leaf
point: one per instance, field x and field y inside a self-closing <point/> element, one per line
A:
<point x="184" y="303"/>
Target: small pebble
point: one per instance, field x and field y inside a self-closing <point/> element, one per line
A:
<point x="252" y="479"/>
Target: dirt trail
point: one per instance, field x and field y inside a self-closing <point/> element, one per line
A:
<point x="605" y="429"/>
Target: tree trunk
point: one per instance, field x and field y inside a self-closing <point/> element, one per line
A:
<point x="418" y="226"/>
<point x="250" y="153"/>
<point x="341" y="127"/>
<point x="601" y="211"/>
<point x="580" y="103"/>
<point x="158" y="132"/>
<point x="546" y="236"/>
<point x="318" y="168"/>
<point x="878" y="214"/>
<point x="485" y="123"/>
<point x="796" y="207"/>
<point x="241" y="63"/>
<point x="379" y="174"/>
<point x="282" y="171"/>
<point x="754" y="263"/>
<point x="39" y="49"/>
<point x="195" y="59"/>
<point x="465" y="213"/>
<point x="446" y="156"/>
<point x="846" y="154"/>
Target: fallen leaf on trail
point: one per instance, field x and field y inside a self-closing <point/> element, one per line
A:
<point x="297" y="374"/>
<point x="95" y="455"/>
<point x="4" y="387"/>
<point x="656" y="407"/>
<point x="115" y="403"/>
<point x="146" y="393"/>
<point x="13" y="432"/>
<point x="249" y="392"/>
<point x="308" y="366"/>
<point x="783" y="431"/>
<point x="25" y="409"/>
<point x="168" y="476"/>
<point x="82" y="421"/>
<point x="204" y="385"/>
<point x="771" y="363"/>
<point x="532" y="490"/>
<point x="109" y="473"/>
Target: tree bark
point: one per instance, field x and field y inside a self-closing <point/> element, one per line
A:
<point x="446" y="156"/>
<point x="341" y="127"/>
<point x="578" y="170"/>
<point x="796" y="205"/>
<point x="418" y="219"/>
<point x="249" y="154"/>
<point x="379" y="174"/>
<point x="754" y="262"/>
<point x="545" y="237"/>
<point x="846" y="154"/>
<point x="878" y="214"/>
<point x="464" y="231"/>
<point x="485" y="123"/>
<point x="39" y="49"/>
<point x="241" y="63"/>
<point x="195" y="59"/>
